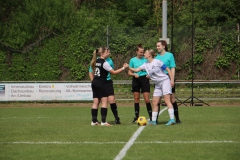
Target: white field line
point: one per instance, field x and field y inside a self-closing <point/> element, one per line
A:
<point x="161" y="111"/>
<point x="123" y="152"/>
<point x="24" y="117"/>
<point x="118" y="142"/>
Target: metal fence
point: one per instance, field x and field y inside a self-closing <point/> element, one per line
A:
<point x="204" y="91"/>
<point x="208" y="47"/>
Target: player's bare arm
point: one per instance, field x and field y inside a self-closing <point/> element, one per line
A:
<point x="171" y="76"/>
<point x="130" y="73"/>
<point x="125" y="65"/>
<point x="135" y="69"/>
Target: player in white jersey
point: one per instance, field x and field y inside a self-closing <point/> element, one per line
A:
<point x="163" y="85"/>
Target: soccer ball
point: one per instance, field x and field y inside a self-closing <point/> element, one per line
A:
<point x="142" y="121"/>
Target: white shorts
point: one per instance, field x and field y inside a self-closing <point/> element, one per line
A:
<point x="162" y="88"/>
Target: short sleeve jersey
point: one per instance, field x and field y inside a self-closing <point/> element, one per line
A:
<point x="109" y="60"/>
<point x="155" y="70"/>
<point x="136" y="62"/>
<point x="102" y="69"/>
<point x="167" y="59"/>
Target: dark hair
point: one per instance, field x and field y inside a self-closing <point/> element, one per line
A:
<point x="139" y="46"/>
<point x="164" y="43"/>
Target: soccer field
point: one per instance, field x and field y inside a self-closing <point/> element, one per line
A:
<point x="65" y="133"/>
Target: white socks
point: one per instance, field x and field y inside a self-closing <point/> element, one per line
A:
<point x="154" y="116"/>
<point x="171" y="113"/>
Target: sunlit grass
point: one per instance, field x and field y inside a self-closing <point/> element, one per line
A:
<point x="65" y="133"/>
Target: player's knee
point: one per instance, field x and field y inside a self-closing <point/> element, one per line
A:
<point x="147" y="100"/>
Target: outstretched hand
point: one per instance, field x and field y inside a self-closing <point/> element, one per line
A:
<point x="125" y="65"/>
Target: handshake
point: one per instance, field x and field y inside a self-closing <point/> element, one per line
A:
<point x="125" y="65"/>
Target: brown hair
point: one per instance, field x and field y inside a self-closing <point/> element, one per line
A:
<point x="98" y="52"/>
<point x="164" y="43"/>
<point x="139" y="46"/>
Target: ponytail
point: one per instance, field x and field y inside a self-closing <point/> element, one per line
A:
<point x="93" y="61"/>
<point x="97" y="53"/>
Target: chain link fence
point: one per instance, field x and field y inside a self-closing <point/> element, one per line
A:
<point x="211" y="44"/>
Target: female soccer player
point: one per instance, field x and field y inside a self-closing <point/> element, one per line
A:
<point x="168" y="59"/>
<point x="140" y="81"/>
<point x="163" y="85"/>
<point x="110" y="89"/>
<point x="101" y="69"/>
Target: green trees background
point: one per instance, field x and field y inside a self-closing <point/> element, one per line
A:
<point x="53" y="40"/>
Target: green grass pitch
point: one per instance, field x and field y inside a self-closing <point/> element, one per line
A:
<point x="65" y="133"/>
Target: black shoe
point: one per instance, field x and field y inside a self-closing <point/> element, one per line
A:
<point x="178" y="121"/>
<point x="134" y="120"/>
<point x="117" y="121"/>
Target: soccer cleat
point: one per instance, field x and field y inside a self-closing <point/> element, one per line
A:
<point x="117" y="121"/>
<point x="94" y="124"/>
<point x="152" y="123"/>
<point x="170" y="122"/>
<point x="178" y="121"/>
<point x="105" y="124"/>
<point x="134" y="120"/>
<point x="149" y="119"/>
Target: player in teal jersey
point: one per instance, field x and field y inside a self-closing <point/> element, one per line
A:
<point x="163" y="84"/>
<point x="168" y="59"/>
<point x="140" y="81"/>
<point x="110" y="89"/>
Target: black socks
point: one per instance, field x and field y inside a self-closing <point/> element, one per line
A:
<point x="149" y="109"/>
<point x="104" y="114"/>
<point x="114" y="110"/>
<point x="94" y="115"/>
<point x="175" y="108"/>
<point x="158" y="112"/>
<point x="136" y="108"/>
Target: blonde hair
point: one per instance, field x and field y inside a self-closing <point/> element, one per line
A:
<point x="152" y="52"/>
<point x="97" y="52"/>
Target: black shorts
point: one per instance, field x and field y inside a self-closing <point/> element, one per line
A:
<point x="99" y="88"/>
<point x="109" y="87"/>
<point x="173" y="89"/>
<point x="141" y="83"/>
